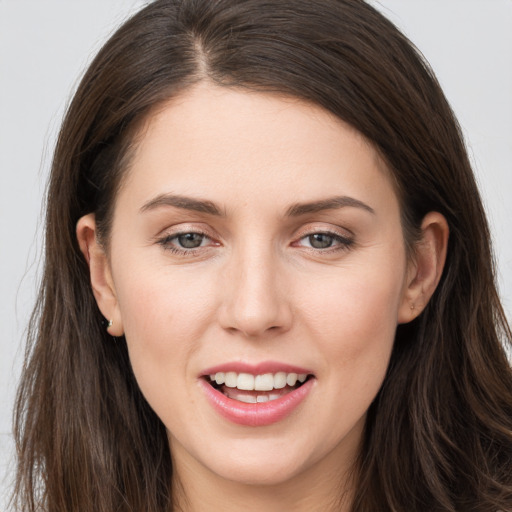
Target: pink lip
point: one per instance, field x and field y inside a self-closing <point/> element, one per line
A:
<point x="259" y="414"/>
<point x="257" y="369"/>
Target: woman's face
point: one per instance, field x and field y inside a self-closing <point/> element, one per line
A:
<point x="257" y="239"/>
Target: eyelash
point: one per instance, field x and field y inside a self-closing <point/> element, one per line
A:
<point x="342" y="243"/>
<point x="166" y="243"/>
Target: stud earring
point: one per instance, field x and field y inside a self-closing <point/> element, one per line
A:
<point x="109" y="324"/>
<point x="413" y="307"/>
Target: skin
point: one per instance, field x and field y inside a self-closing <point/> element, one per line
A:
<point x="257" y="290"/>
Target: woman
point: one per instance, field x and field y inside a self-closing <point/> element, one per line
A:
<point x="268" y="278"/>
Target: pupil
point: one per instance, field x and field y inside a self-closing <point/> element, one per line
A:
<point x="190" y="240"/>
<point x="320" y="240"/>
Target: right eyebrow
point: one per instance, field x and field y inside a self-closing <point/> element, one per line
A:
<point x="184" y="202"/>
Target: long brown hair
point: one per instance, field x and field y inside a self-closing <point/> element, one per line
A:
<point x="439" y="434"/>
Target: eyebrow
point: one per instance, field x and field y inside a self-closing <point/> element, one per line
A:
<point x="186" y="203"/>
<point x="331" y="203"/>
<point x="295" y="210"/>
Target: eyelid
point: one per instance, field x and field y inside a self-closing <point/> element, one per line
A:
<point x="170" y="233"/>
<point x="328" y="229"/>
<point x="344" y="238"/>
<point x="185" y="227"/>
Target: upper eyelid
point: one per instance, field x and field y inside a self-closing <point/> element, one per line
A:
<point x="331" y="230"/>
<point x="183" y="229"/>
<point x="304" y="231"/>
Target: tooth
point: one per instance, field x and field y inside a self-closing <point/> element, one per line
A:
<point x="230" y="379"/>
<point x="262" y="398"/>
<point x="302" y="377"/>
<point x="219" y="377"/>
<point x="279" y="380"/>
<point x="248" y="399"/>
<point x="245" y="382"/>
<point x="264" y="382"/>
<point x="273" y="396"/>
<point x="291" y="379"/>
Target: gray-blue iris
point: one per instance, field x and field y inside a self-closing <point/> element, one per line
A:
<point x="190" y="240"/>
<point x="321" y="240"/>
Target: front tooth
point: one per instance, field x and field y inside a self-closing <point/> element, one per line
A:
<point x="219" y="378"/>
<point x="291" y="379"/>
<point x="279" y="380"/>
<point x="302" y="377"/>
<point x="264" y="382"/>
<point x="248" y="399"/>
<point x="273" y="396"/>
<point x="262" y="398"/>
<point x="231" y="379"/>
<point x="245" y="382"/>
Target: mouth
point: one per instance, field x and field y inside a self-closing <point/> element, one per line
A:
<point x="256" y="389"/>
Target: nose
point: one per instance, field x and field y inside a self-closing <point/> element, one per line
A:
<point x="255" y="300"/>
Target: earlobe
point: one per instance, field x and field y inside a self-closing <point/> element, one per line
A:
<point x="425" y="268"/>
<point x="101" y="277"/>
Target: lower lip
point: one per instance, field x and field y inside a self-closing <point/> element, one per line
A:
<point x="260" y="414"/>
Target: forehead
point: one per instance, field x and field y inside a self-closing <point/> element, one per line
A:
<point x="232" y="144"/>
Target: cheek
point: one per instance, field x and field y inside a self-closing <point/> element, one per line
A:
<point x="164" y="317"/>
<point x="164" y="322"/>
<point x="354" y="316"/>
<point x="159" y="305"/>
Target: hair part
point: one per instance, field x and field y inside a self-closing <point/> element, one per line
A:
<point x="439" y="434"/>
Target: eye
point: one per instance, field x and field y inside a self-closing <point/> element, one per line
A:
<point x="321" y="240"/>
<point x="324" y="240"/>
<point x="185" y="242"/>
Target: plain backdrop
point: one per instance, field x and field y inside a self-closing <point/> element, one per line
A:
<point x="45" y="46"/>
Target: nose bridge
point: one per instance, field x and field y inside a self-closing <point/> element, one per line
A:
<point x="255" y="301"/>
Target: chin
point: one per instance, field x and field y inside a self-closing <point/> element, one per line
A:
<point x="267" y="471"/>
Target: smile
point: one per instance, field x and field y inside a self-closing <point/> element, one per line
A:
<point x="248" y="388"/>
<point x="256" y="396"/>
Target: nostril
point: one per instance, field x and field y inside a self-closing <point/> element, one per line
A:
<point x="255" y="309"/>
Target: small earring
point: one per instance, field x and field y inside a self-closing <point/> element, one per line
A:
<point x="109" y="324"/>
<point x="413" y="307"/>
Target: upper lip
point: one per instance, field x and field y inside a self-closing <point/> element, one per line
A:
<point x="255" y="369"/>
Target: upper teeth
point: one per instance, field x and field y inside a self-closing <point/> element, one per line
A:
<point x="265" y="382"/>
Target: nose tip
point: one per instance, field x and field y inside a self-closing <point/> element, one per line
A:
<point x="256" y="304"/>
<point x="257" y="320"/>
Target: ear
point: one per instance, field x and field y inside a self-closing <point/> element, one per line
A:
<point x="425" y="267"/>
<point x="101" y="277"/>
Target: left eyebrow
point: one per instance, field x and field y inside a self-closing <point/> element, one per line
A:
<point x="331" y="203"/>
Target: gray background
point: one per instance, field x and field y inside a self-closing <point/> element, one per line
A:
<point x="45" y="46"/>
